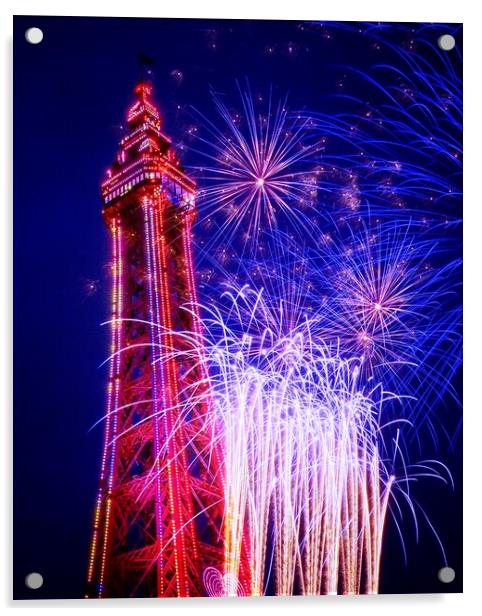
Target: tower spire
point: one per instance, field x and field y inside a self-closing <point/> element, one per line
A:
<point x="145" y="65"/>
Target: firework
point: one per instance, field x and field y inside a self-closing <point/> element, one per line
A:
<point x="358" y="295"/>
<point x="388" y="294"/>
<point x="395" y="143"/>
<point x="305" y="487"/>
<point x="256" y="169"/>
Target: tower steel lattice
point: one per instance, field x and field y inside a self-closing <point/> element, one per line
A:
<point x="159" y="511"/>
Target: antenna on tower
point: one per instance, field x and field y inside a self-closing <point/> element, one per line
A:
<point x="145" y="67"/>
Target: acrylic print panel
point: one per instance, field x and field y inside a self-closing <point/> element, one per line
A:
<point x="237" y="308"/>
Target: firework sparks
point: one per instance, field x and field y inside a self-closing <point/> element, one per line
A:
<point x="306" y="490"/>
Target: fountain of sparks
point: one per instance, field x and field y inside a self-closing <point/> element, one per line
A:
<point x="305" y="488"/>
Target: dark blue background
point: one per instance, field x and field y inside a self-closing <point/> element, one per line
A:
<point x="70" y="96"/>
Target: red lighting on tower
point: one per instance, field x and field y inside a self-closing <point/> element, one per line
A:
<point x="159" y="511"/>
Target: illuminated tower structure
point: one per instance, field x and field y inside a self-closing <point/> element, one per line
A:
<point x="159" y="510"/>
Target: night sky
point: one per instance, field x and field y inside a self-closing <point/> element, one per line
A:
<point x="70" y="96"/>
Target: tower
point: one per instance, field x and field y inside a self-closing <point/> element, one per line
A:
<point x="159" y="509"/>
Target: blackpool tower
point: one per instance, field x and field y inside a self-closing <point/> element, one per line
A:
<point x="159" y="510"/>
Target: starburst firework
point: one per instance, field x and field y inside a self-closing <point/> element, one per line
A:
<point x="257" y="169"/>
